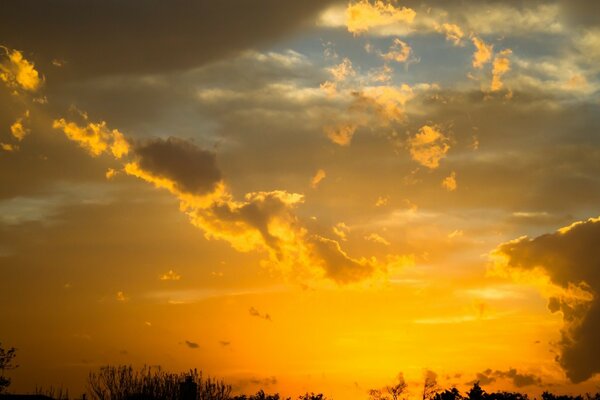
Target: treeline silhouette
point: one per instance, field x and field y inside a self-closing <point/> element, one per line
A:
<point x="152" y="383"/>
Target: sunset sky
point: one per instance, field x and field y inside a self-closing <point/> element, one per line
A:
<point x="302" y="194"/>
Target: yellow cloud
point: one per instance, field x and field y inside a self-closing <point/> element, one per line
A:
<point x="483" y="53"/>
<point x="120" y="296"/>
<point x="341" y="230"/>
<point x="16" y="71"/>
<point x="382" y="201"/>
<point x="453" y="32"/>
<point x="388" y="101"/>
<point x="170" y="276"/>
<point x="399" y="52"/>
<point x="9" y="147"/>
<point x="364" y="15"/>
<point x="374" y="237"/>
<point x="449" y="182"/>
<point x="317" y="178"/>
<point x="343" y="70"/>
<point x="96" y="138"/>
<point x="428" y="146"/>
<point x="340" y="134"/>
<point x="111" y="173"/>
<point x="17" y="129"/>
<point x="500" y="67"/>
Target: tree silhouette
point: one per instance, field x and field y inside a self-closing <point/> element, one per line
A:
<point x="6" y="363"/>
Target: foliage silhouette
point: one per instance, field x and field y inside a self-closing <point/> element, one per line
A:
<point x="152" y="383"/>
<point x="6" y="363"/>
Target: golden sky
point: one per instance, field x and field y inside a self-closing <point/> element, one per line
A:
<point x="303" y="195"/>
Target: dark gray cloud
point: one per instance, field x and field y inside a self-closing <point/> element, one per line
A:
<point x="191" y="345"/>
<point x="255" y="313"/>
<point x="193" y="169"/>
<point x="112" y="37"/>
<point x="571" y="258"/>
<point x="518" y="379"/>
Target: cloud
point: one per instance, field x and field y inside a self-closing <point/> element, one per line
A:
<point x="453" y="33"/>
<point x="342" y="71"/>
<point x="399" y="51"/>
<point x="387" y="102"/>
<point x="376" y="238"/>
<point x="154" y="38"/>
<point x="17" y="129"/>
<point x="255" y="313"/>
<point x="449" y="182"/>
<point x="340" y="134"/>
<point x="428" y="147"/>
<point x="120" y="296"/>
<point x="17" y="72"/>
<point x="337" y="265"/>
<point x="191" y="169"/>
<point x="96" y="138"/>
<point x="9" y="147"/>
<point x="224" y="343"/>
<point x="317" y="178"/>
<point x="519" y="380"/>
<point x="569" y="258"/>
<point x="341" y="230"/>
<point x="364" y="15"/>
<point x="192" y="345"/>
<point x="500" y="67"/>
<point x="483" y="53"/>
<point x="170" y="276"/>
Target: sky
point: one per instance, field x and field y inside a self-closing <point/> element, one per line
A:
<point x="311" y="195"/>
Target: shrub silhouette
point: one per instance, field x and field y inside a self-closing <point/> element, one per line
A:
<point x="152" y="383"/>
<point x="6" y="363"/>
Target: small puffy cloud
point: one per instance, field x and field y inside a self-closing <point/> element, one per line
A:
<point x="382" y="201"/>
<point x="17" y="72"/>
<point x="453" y="33"/>
<point x="96" y="138"/>
<point x="483" y="52"/>
<point x="340" y="134"/>
<point x="569" y="259"/>
<point x="120" y="296"/>
<point x="386" y="101"/>
<point x="255" y="313"/>
<point x="111" y="173"/>
<point x="376" y="238"/>
<point x="192" y="345"/>
<point x="341" y="230"/>
<point x="449" y="182"/>
<point x="170" y="276"/>
<point x="428" y="146"/>
<point x="364" y="15"/>
<point x="9" y="147"/>
<point x="192" y="169"/>
<point x="399" y="51"/>
<point x="317" y="178"/>
<point x="342" y="71"/>
<point x="501" y="66"/>
<point x="17" y="129"/>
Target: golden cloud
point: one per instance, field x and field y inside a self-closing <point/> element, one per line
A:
<point x="449" y="182"/>
<point x="399" y="52"/>
<point x="317" y="178"/>
<point x="500" y="67"/>
<point x="17" y="72"/>
<point x="341" y="134"/>
<point x="96" y="138"/>
<point x="364" y="15"/>
<point x="483" y="53"/>
<point x="428" y="146"/>
<point x="453" y="33"/>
